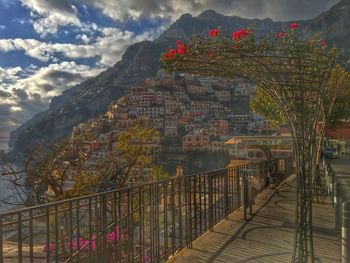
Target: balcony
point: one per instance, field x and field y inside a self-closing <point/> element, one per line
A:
<point x="145" y="223"/>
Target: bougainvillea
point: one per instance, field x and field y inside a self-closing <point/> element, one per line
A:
<point x="214" y="32"/>
<point x="115" y="235"/>
<point x="83" y="244"/>
<point x="49" y="247"/>
<point x="294" y="26"/>
<point x="241" y="34"/>
<point x="181" y="49"/>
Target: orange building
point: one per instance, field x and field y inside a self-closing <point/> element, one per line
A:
<point x="342" y="132"/>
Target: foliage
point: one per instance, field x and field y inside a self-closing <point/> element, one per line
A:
<point x="51" y="166"/>
<point x="129" y="158"/>
<point x="158" y="173"/>
<point x="337" y="100"/>
<point x="265" y="106"/>
<point x="68" y="170"/>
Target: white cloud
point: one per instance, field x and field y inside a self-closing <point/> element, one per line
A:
<point x="49" y="15"/>
<point x="25" y="92"/>
<point x="108" y="47"/>
<point x="47" y="81"/>
<point x="2" y="27"/>
<point x="84" y="38"/>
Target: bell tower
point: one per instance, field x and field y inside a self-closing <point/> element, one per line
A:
<point x="179" y="169"/>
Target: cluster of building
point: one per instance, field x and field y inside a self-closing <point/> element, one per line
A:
<point x="194" y="111"/>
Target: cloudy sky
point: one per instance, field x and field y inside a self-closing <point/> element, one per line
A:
<point x="47" y="46"/>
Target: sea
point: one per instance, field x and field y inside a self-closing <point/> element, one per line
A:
<point x="8" y="195"/>
<point x="3" y="145"/>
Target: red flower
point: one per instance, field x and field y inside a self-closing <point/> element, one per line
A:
<point x="241" y="34"/>
<point x="323" y="43"/>
<point x="181" y="47"/>
<point x="294" y="26"/>
<point x="171" y="53"/>
<point x="282" y="35"/>
<point x="214" y="32"/>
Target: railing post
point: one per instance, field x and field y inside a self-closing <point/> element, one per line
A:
<point x="333" y="183"/>
<point x="104" y="228"/>
<point x="226" y="175"/>
<point x="346" y="233"/>
<point x="210" y="200"/>
<point x="244" y="193"/>
<point x="1" y="242"/>
<point x="238" y="186"/>
<point x="338" y="206"/>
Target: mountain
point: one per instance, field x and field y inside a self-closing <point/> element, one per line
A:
<point x="140" y="61"/>
<point x="334" y="25"/>
<point x="88" y="99"/>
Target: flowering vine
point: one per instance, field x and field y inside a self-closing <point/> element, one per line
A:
<point x="214" y="32"/>
<point x="294" y="73"/>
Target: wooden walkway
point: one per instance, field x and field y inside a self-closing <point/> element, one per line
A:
<point x="267" y="236"/>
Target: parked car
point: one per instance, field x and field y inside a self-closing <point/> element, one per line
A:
<point x="331" y="148"/>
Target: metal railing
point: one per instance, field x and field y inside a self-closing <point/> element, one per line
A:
<point x="330" y="179"/>
<point x="145" y="223"/>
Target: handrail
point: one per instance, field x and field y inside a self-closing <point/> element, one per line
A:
<point x="141" y="223"/>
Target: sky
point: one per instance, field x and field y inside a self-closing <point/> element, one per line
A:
<point x="47" y="46"/>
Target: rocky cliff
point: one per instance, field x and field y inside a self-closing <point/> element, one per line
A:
<point x="92" y="97"/>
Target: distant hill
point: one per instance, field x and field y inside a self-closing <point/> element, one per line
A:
<point x="140" y="61"/>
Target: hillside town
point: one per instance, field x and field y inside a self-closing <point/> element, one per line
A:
<point x="191" y="115"/>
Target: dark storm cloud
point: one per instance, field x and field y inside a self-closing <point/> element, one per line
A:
<point x="282" y="10"/>
<point x="292" y="10"/>
<point x="21" y="94"/>
<point x="58" y="77"/>
<point x="47" y="87"/>
<point x="4" y="94"/>
<point x="275" y="9"/>
<point x="62" y="6"/>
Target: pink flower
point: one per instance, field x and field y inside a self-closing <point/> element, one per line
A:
<point x="49" y="247"/>
<point x="93" y="245"/>
<point x="79" y="243"/>
<point x="113" y="236"/>
<point x="282" y="35"/>
<point x="146" y="258"/>
<point x="294" y="26"/>
<point x="214" y="32"/>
